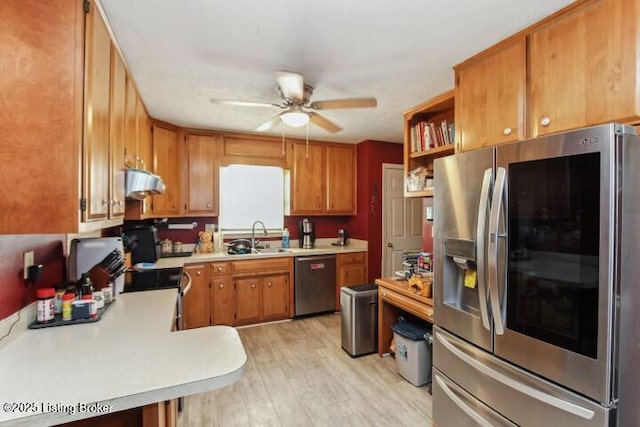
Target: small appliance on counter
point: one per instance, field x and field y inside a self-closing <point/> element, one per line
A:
<point x="106" y="252"/>
<point x="144" y="242"/>
<point x="343" y="238"/>
<point x="307" y="234"/>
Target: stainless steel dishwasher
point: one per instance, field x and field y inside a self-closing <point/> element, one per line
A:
<point x="314" y="284"/>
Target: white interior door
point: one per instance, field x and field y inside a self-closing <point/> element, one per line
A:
<point x="401" y="220"/>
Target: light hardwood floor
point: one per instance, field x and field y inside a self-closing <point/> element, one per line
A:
<point x="298" y="375"/>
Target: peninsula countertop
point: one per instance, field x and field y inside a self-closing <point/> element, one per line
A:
<point x="322" y="247"/>
<point x="129" y="358"/>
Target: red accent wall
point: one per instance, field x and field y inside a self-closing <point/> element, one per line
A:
<point x="367" y="224"/>
<point x="14" y="293"/>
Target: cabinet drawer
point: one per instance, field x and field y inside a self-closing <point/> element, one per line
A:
<point x="261" y="265"/>
<point x="352" y="258"/>
<point x="412" y="306"/>
<point x="219" y="268"/>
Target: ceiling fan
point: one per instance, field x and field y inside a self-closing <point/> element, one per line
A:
<point x="297" y="108"/>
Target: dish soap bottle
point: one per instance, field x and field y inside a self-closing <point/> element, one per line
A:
<point x="285" y="238"/>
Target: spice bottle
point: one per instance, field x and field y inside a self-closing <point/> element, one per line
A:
<point x="67" y="300"/>
<point x="45" y="305"/>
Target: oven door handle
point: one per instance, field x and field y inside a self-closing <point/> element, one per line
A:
<point x="481" y="231"/>
<point x="492" y="249"/>
<point x="186" y="289"/>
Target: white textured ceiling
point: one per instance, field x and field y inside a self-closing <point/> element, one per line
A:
<point x="184" y="52"/>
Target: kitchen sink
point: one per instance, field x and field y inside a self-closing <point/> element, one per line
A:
<point x="272" y="250"/>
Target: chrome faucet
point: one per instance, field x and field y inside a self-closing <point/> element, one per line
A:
<point x="253" y="234"/>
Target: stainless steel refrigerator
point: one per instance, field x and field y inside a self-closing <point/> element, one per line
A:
<point x="535" y="282"/>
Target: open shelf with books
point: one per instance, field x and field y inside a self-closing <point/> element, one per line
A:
<point x="429" y="130"/>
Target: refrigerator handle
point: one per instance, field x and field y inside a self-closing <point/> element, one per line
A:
<point x="535" y="393"/>
<point x="492" y="249"/>
<point x="467" y="410"/>
<point x="480" y="247"/>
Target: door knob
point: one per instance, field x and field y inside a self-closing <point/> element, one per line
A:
<point x="389" y="245"/>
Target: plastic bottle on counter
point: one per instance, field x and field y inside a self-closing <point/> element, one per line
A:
<point x="45" y="307"/>
<point x="285" y="238"/>
<point x="67" y="302"/>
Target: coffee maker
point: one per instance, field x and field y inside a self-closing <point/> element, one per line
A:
<point x="306" y="234"/>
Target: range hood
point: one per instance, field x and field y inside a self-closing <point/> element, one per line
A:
<point x="140" y="183"/>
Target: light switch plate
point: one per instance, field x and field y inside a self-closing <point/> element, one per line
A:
<point x="29" y="260"/>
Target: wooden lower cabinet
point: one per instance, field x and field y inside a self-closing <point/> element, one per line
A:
<point x="238" y="293"/>
<point x="275" y="297"/>
<point x="351" y="270"/>
<point x="196" y="304"/>
<point x="223" y="298"/>
<point x="248" y="300"/>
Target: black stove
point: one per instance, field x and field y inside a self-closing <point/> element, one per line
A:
<point x="149" y="280"/>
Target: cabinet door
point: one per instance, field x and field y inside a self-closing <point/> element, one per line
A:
<point x="131" y="125"/>
<point x="307" y="181"/>
<point x="96" y="132"/>
<point x="248" y="300"/>
<point x="223" y="306"/>
<point x="117" y="133"/>
<point x="490" y="98"/>
<point x="341" y="180"/>
<point x="196" y="304"/>
<point x="350" y="275"/>
<point x="166" y="163"/>
<point x="583" y="68"/>
<point x="202" y="175"/>
<point x="275" y="297"/>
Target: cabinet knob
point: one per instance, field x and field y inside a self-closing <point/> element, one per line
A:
<point x="198" y="273"/>
<point x="545" y="121"/>
<point x="507" y="131"/>
<point x="106" y="202"/>
<point x="219" y="268"/>
<point x="221" y="286"/>
<point x="119" y="202"/>
<point x="253" y="286"/>
<point x="269" y="284"/>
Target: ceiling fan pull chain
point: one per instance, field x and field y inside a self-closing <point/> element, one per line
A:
<point x="307" y="146"/>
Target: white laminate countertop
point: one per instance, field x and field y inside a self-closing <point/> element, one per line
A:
<point x="128" y="359"/>
<point x="322" y="247"/>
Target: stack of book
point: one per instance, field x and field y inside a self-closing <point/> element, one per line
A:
<point x="426" y="135"/>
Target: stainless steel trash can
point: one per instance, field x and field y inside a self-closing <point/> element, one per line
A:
<point x="359" y="321"/>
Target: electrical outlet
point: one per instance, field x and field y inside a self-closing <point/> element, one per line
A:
<point x="29" y="260"/>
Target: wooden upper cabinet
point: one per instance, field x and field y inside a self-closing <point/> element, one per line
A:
<point x="490" y="97"/>
<point x="95" y="185"/>
<point x="583" y="67"/>
<point x="41" y="87"/>
<point x="166" y="163"/>
<point x="308" y="179"/>
<point x="131" y="124"/>
<point x="145" y="150"/>
<point x="202" y="175"/>
<point x="341" y="179"/>
<point x="117" y="134"/>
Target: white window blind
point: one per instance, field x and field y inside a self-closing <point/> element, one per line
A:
<point x="251" y="193"/>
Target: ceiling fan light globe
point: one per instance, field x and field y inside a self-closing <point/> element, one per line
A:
<point x="295" y="119"/>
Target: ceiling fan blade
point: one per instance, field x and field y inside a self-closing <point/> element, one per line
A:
<point x="336" y="104"/>
<point x="269" y="124"/>
<point x="242" y="103"/>
<point x="324" y="123"/>
<point x="291" y="85"/>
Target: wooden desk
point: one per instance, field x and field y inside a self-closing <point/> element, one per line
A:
<point x="394" y="297"/>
